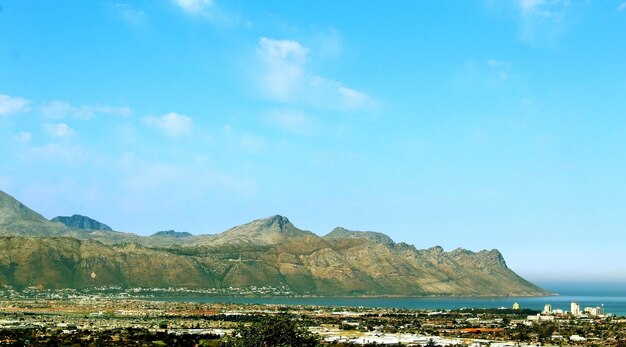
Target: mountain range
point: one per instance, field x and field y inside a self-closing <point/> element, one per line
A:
<point x="65" y="251"/>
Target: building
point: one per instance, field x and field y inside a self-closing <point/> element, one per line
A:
<point x="516" y="306"/>
<point x="547" y="309"/>
<point x="595" y="311"/>
<point x="575" y="309"/>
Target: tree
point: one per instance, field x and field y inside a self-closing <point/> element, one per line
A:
<point x="273" y="331"/>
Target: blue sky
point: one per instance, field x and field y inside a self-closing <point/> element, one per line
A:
<point x="476" y="124"/>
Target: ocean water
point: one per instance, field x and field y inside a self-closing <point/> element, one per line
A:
<point x="615" y="305"/>
<point x="612" y="297"/>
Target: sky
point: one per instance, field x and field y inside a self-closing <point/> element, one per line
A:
<point x="478" y="124"/>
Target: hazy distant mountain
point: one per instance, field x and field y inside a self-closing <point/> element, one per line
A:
<point x="81" y="222"/>
<point x="171" y="233"/>
<point x="264" y="252"/>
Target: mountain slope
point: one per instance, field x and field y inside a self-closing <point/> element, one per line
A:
<point x="60" y="262"/>
<point x="17" y="219"/>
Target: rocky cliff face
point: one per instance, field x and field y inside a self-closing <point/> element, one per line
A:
<point x="264" y="252"/>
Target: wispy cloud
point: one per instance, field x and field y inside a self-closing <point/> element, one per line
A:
<point x="64" y="152"/>
<point x="490" y="73"/>
<point x="542" y="21"/>
<point x="210" y="11"/>
<point x="530" y="6"/>
<point x="131" y="15"/>
<point x="329" y="43"/>
<point x="351" y="98"/>
<point x="285" y="62"/>
<point x="194" y="7"/>
<point x="172" y="124"/>
<point x="23" y="136"/>
<point x="284" y="78"/>
<point x="295" y="121"/>
<point x="164" y="178"/>
<point x="500" y="68"/>
<point x="621" y="7"/>
<point x="59" y="130"/>
<point x="62" y="109"/>
<point x="11" y="104"/>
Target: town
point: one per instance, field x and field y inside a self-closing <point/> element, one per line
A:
<point x="110" y="316"/>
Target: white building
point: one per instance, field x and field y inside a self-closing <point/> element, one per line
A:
<point x="575" y="309"/>
<point x="547" y="309"/>
<point x="594" y="311"/>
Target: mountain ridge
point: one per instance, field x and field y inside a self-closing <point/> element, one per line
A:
<point x="264" y="252"/>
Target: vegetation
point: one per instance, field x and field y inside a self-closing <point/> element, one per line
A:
<point x="281" y="331"/>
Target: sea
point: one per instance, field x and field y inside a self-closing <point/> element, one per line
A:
<point x="610" y="296"/>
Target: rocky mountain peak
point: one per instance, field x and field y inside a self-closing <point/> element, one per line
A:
<point x="81" y="222"/>
<point x="436" y="249"/>
<point x="260" y="232"/>
<point x="277" y="221"/>
<point x="343" y="233"/>
<point x="494" y="257"/>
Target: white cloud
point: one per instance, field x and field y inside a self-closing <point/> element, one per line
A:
<point x="291" y="120"/>
<point x="211" y="11"/>
<point x="621" y="6"/>
<point x="498" y="63"/>
<point x="194" y="7"/>
<point x="60" y="130"/>
<point x="351" y="98"/>
<point x="528" y="6"/>
<point x="62" y="109"/>
<point x="10" y="104"/>
<point x="544" y="8"/>
<point x="285" y="62"/>
<point x="284" y="78"/>
<point x="172" y="124"/>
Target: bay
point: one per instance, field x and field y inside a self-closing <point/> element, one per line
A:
<point x="611" y="296"/>
<point x="615" y="305"/>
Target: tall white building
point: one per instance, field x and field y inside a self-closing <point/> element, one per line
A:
<point x="575" y="309"/>
<point x="547" y="309"/>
